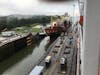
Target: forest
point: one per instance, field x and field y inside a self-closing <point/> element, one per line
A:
<point x="13" y="22"/>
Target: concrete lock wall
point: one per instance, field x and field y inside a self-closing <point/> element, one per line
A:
<point x="14" y="46"/>
<point x="6" y="50"/>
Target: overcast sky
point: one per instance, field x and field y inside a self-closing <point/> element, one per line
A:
<point x="35" y="7"/>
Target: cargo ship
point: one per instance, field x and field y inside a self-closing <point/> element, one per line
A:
<point x="57" y="28"/>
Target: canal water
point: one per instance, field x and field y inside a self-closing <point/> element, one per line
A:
<point x="23" y="61"/>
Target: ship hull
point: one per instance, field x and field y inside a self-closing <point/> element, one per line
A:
<point x="54" y="36"/>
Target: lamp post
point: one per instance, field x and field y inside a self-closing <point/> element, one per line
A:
<point x="73" y="12"/>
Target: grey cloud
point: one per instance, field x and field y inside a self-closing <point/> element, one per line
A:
<point x="41" y="8"/>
